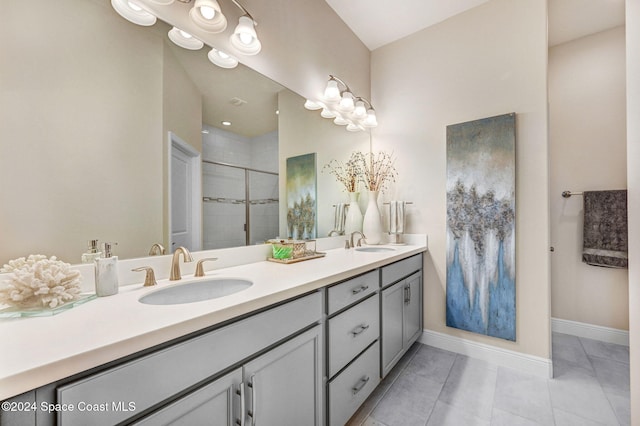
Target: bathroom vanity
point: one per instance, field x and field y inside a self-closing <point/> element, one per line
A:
<point x="307" y="349"/>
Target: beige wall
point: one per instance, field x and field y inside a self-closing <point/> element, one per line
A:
<point x="633" y="188"/>
<point x="81" y="138"/>
<point x="488" y="61"/>
<point x="588" y="151"/>
<point x="181" y="115"/>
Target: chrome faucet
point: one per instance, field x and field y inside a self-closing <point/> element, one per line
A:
<point x="359" y="243"/>
<point x="175" y="262"/>
<point x="157" y="249"/>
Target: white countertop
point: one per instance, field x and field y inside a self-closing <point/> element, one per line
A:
<point x="38" y="351"/>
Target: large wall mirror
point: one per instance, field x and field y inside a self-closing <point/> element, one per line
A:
<point x="87" y="104"/>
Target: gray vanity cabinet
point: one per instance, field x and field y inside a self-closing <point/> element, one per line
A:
<point x="215" y="404"/>
<point x="401" y="313"/>
<point x="284" y="386"/>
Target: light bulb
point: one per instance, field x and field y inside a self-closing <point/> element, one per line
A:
<point x="222" y="59"/>
<point x="244" y="37"/>
<point x="371" y="120"/>
<point x="207" y="12"/>
<point x="332" y="93"/>
<point x="340" y="121"/>
<point x="327" y="113"/>
<point x="132" y="12"/>
<point x="360" y="111"/>
<point x="346" y="103"/>
<point x="184" y="39"/>
<point x="311" y="105"/>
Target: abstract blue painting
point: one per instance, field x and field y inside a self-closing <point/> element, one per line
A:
<point x="481" y="284"/>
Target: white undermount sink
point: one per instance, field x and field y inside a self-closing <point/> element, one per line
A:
<point x="374" y="249"/>
<point x="196" y="291"/>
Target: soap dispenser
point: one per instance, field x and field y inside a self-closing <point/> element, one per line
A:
<point x="107" y="272"/>
<point x="92" y="254"/>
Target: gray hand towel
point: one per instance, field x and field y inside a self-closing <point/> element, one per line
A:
<point x="605" y="234"/>
<point x="339" y="219"/>
<point x="396" y="217"/>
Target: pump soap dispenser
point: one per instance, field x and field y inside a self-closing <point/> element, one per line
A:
<point x="107" y="272"/>
<point x="92" y="254"/>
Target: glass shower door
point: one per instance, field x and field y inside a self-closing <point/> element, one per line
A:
<point x="263" y="206"/>
<point x="224" y="206"/>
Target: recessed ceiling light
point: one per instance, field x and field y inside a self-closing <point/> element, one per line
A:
<point x="205" y="131"/>
<point x="226" y="123"/>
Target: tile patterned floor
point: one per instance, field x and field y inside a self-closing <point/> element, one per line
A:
<point x="433" y="387"/>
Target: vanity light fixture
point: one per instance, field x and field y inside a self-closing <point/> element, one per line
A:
<point x="354" y="112"/>
<point x="244" y="37"/>
<point x="133" y="12"/>
<point x="207" y="15"/>
<point x="184" y="39"/>
<point x="222" y="59"/>
<point x="312" y="106"/>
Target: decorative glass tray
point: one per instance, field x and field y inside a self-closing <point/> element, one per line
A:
<point x="14" y="312"/>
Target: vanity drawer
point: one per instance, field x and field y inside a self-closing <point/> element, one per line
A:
<point x="401" y="269"/>
<point x="150" y="379"/>
<point x="352" y="331"/>
<point x="349" y="390"/>
<point x="348" y="292"/>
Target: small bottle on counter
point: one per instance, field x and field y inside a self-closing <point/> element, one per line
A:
<point x="106" y="272"/>
<point x="92" y="254"/>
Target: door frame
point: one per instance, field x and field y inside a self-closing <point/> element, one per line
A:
<point x="195" y="169"/>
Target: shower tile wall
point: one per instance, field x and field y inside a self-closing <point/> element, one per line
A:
<point x="223" y="223"/>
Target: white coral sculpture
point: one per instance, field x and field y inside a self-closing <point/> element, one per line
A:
<point x="39" y="282"/>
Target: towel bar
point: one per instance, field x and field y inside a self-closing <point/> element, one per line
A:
<point x="567" y="194"/>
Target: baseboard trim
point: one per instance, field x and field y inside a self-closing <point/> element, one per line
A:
<point x="590" y="331"/>
<point x="538" y="366"/>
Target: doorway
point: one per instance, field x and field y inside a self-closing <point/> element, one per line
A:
<point x="185" y="183"/>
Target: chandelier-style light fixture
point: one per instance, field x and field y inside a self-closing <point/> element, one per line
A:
<point x="206" y="15"/>
<point x="345" y="108"/>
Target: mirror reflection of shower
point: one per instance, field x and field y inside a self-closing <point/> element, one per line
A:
<point x="239" y="188"/>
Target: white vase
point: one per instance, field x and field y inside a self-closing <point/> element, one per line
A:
<point x="353" y="221"/>
<point x="372" y="224"/>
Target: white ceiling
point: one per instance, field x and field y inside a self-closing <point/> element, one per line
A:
<point x="379" y="22"/>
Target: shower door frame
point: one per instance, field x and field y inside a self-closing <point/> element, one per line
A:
<point x="247" y="204"/>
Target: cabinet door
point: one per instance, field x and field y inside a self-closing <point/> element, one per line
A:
<point x="393" y="299"/>
<point x="215" y="404"/>
<point x="284" y="386"/>
<point x="412" y="309"/>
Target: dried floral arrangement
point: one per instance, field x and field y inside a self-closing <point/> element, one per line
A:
<point x="39" y="282"/>
<point x="349" y="174"/>
<point x="378" y="170"/>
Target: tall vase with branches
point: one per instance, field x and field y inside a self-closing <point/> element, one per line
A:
<point x="378" y="172"/>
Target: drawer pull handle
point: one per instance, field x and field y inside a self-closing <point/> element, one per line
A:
<point x="359" y="289"/>
<point x="254" y="403"/>
<point x="360" y="329"/>
<point x="361" y="384"/>
<point x="240" y="392"/>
